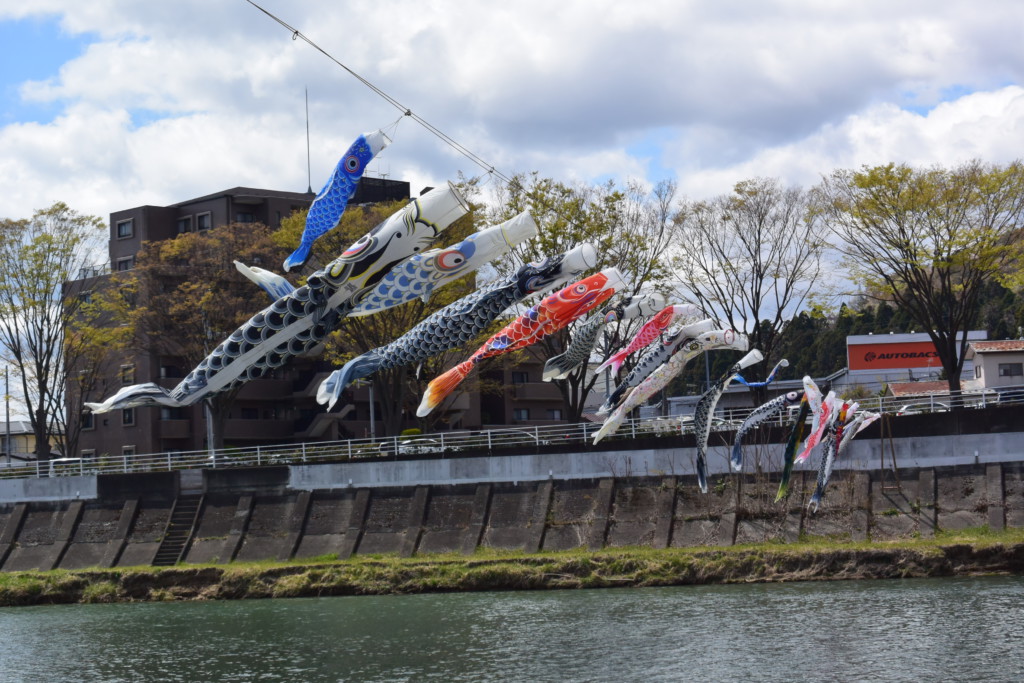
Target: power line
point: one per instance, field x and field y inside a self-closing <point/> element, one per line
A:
<point x="406" y="111"/>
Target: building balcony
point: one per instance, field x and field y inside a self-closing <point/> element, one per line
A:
<point x="173" y="429"/>
<point x="241" y="430"/>
<point x="535" y="391"/>
<point x="266" y="390"/>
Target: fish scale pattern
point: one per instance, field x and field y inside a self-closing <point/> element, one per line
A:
<point x="452" y="326"/>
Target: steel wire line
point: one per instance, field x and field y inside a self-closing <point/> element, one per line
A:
<point x="406" y="111"/>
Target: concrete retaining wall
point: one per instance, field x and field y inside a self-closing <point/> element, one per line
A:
<point x="934" y="477"/>
<point x="552" y="514"/>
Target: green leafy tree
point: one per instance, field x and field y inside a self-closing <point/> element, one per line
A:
<point x="931" y="240"/>
<point x="184" y="296"/>
<point x="37" y="257"/>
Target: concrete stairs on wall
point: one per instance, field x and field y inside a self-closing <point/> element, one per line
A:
<point x="180" y="527"/>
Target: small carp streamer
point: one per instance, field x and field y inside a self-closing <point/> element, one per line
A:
<point x="706" y="408"/>
<point x="648" y="333"/>
<point x="764" y="412"/>
<point x="327" y="208"/>
<point x="660" y="377"/>
<point x="654" y="359"/>
<point x="582" y="344"/>
<point x="811" y="397"/>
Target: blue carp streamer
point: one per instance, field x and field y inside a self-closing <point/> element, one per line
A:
<point x="330" y="203"/>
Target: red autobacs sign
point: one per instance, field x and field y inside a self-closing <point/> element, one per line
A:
<point x="893" y="356"/>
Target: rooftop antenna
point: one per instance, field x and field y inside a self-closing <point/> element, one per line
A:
<point x="309" y="172"/>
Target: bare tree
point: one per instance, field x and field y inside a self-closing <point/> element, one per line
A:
<point x="37" y="257"/>
<point x="754" y="258"/>
<point x="931" y="240"/>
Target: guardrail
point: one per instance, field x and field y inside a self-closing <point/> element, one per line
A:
<point x="442" y="443"/>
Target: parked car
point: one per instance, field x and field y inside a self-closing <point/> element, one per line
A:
<point x="68" y="467"/>
<point x="924" y="407"/>
<point x="409" y="446"/>
<point x="718" y="424"/>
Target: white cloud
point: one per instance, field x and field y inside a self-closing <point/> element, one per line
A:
<point x="175" y="100"/>
<point x="987" y="126"/>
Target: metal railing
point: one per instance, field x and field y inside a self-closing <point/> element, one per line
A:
<point x="440" y="444"/>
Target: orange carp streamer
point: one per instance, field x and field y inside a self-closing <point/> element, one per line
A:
<point x="550" y="315"/>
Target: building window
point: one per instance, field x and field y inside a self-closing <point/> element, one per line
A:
<point x="554" y="413"/>
<point x="250" y="413"/>
<point x="125" y="229"/>
<point x="171" y="413"/>
<point x="170" y="372"/>
<point x="977" y="372"/>
<point x="521" y="414"/>
<point x="520" y="377"/>
<point x="88" y="454"/>
<point x="184" y="225"/>
<point x="203" y="221"/>
<point x="128" y="417"/>
<point x="126" y="263"/>
<point x="1011" y="369"/>
<point x="88" y="421"/>
<point x="127" y="374"/>
<point x="128" y="451"/>
<point x="244" y="217"/>
<point x="85" y="297"/>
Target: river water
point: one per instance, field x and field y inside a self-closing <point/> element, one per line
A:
<point x="911" y="630"/>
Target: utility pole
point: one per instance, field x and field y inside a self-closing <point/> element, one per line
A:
<point x="7" y="401"/>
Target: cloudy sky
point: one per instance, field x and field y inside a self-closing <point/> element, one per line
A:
<point x="109" y="104"/>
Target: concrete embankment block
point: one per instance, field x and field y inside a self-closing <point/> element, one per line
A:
<point x="95" y="536"/>
<point x="637" y="510"/>
<point x="578" y="515"/>
<point x="296" y="523"/>
<point x="664" y="511"/>
<point x="1013" y="493"/>
<point x="473" y="535"/>
<point x="539" y="517"/>
<point x="356" y="519"/>
<point x="387" y="521"/>
<point x="35" y="546"/>
<point x="994" y="497"/>
<point x="417" y="518"/>
<point x="860" y="516"/>
<point x="270" y="532"/>
<point x="222" y="524"/>
<point x="11" y="529"/>
<point x="602" y="513"/>
<point x="449" y="515"/>
<point x="961" y="497"/>
<point x="145" y="532"/>
<point x="326" y="523"/>
<point x="927" y="495"/>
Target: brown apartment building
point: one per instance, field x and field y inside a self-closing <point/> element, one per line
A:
<point x="280" y="408"/>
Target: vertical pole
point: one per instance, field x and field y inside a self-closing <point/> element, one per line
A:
<point x="707" y="371"/>
<point x="209" y="432"/>
<point x="309" y="172"/>
<point x="7" y="400"/>
<point x="373" y="429"/>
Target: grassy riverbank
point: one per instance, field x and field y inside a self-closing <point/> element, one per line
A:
<point x="968" y="552"/>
